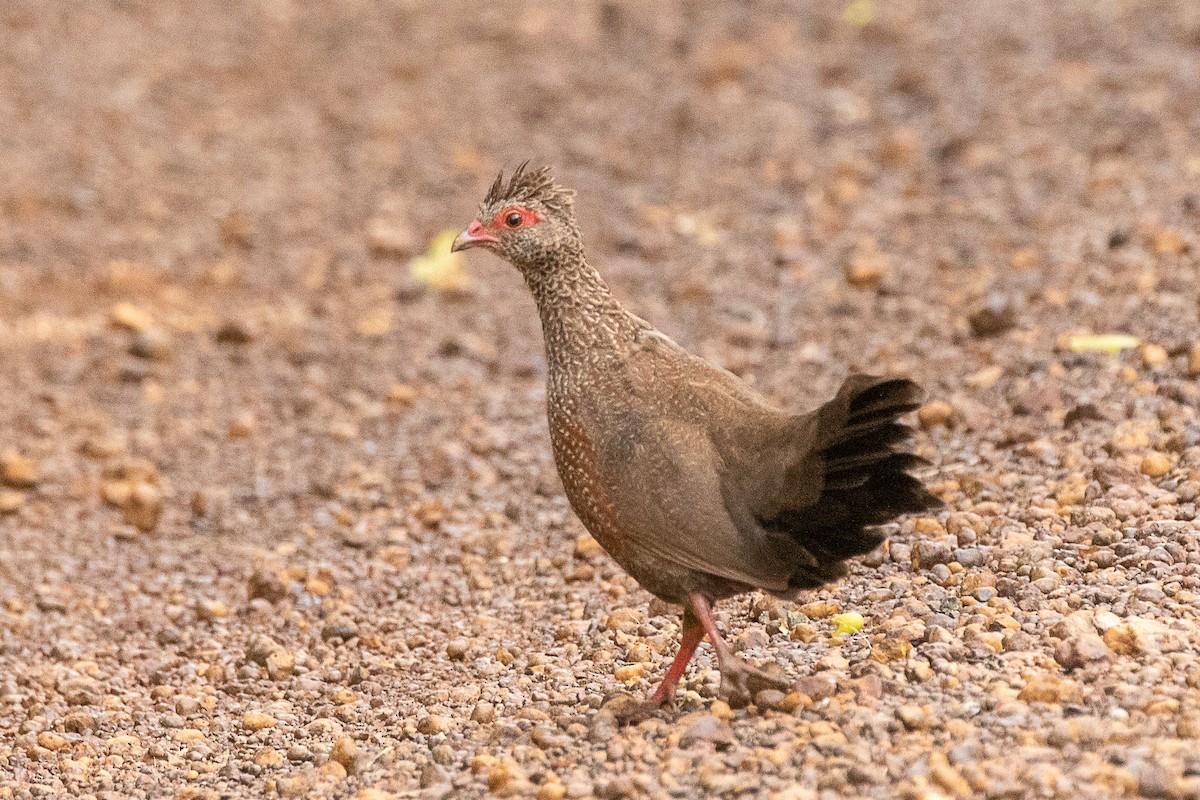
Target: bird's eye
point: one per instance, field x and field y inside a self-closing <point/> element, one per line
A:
<point x="513" y="220"/>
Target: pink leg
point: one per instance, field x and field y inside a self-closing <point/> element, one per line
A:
<point x="739" y="680"/>
<point x="693" y="634"/>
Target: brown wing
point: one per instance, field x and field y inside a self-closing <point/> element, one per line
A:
<point x="803" y="492"/>
<point x="674" y="507"/>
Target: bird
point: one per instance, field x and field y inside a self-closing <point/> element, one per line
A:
<point x="693" y="482"/>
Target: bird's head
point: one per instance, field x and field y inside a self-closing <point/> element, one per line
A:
<point x="528" y="221"/>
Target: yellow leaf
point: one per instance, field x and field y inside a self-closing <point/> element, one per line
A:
<point x="439" y="268"/>
<point x="1112" y="343"/>
<point x="859" y="13"/>
<point x="845" y="624"/>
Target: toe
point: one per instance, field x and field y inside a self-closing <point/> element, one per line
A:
<point x="735" y="688"/>
<point x="758" y="680"/>
<point x="740" y="682"/>
<point x="627" y="710"/>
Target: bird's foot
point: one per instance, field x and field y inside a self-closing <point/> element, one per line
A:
<point x="740" y="681"/>
<point x="628" y="710"/>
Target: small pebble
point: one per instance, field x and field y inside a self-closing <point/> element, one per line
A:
<point x="17" y="471"/>
<point x="935" y="413"/>
<point x="152" y="343"/>
<point x="268" y="757"/>
<point x="1079" y="651"/>
<point x="10" y="501"/>
<point x="914" y="718"/>
<point x="705" y="728"/>
<point x="434" y="724"/>
<point x="927" y="553"/>
<point x="1155" y="465"/>
<point x="257" y="721"/>
<point x="770" y="699"/>
<point x="1154" y="355"/>
<point x="345" y="752"/>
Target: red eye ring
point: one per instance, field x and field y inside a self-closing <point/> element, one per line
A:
<point x="514" y="217"/>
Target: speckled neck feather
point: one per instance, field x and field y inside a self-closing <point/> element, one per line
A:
<point x="583" y="324"/>
<point x="581" y="320"/>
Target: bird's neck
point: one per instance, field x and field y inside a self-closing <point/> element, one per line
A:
<point x="581" y="320"/>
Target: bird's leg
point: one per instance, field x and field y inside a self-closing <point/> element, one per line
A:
<point x="693" y="634"/>
<point x="628" y="709"/>
<point x="739" y="681"/>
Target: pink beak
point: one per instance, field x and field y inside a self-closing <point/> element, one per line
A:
<point x="474" y="236"/>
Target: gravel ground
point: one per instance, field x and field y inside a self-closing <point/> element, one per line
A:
<point x="275" y="520"/>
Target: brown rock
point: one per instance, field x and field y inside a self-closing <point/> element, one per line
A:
<point x="267" y="586"/>
<point x="771" y="698"/>
<point x="345" y="752"/>
<point x="818" y="687"/>
<point x="379" y="794"/>
<point x="10" y="501"/>
<point x="506" y="779"/>
<point x="1154" y="355"/>
<point x="1072" y="491"/>
<point x="144" y="507"/>
<point x="701" y="727"/>
<point x="914" y="718"/>
<point x="820" y="609"/>
<point x="1050" y="689"/>
<point x="237" y="230"/>
<point x="900" y="148"/>
<point x="390" y="239"/>
<point x="129" y="317"/>
<point x="280" y="665"/>
<point x="434" y="724"/>
<point x="1168" y="241"/>
<point x="484" y="712"/>
<point x="153" y="344"/>
<point x="296" y="786"/>
<point x="52" y="741"/>
<point x="259" y="648"/>
<point x="401" y="394"/>
<point x="1187" y="726"/>
<point x="1155" y="465"/>
<point x="234" y="332"/>
<point x="1079" y="651"/>
<point x="927" y="553"/>
<point x="866" y="267"/>
<point x="1025" y="259"/>
<point x="1134" y="636"/>
<point x="17" y="471"/>
<point x="257" y="721"/>
<point x="587" y="547"/>
<point x="935" y="413"/>
<point x="993" y="318"/>
<point x="268" y="757"/>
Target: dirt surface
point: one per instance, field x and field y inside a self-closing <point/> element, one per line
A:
<point x="275" y="519"/>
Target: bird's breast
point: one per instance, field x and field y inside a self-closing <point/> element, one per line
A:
<point x="584" y="476"/>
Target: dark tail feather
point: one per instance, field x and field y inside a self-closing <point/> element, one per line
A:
<point x="866" y="476"/>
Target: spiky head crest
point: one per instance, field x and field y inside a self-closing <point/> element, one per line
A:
<point x="528" y="187"/>
<point x="529" y="221"/>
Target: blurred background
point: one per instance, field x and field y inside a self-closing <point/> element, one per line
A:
<point x="233" y="372"/>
